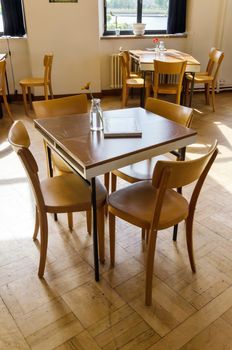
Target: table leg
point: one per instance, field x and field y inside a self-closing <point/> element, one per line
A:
<point x="191" y="91"/>
<point x="142" y="95"/>
<point x="95" y="238"/>
<point x="183" y="92"/>
<point x="179" y="190"/>
<point x="50" y="169"/>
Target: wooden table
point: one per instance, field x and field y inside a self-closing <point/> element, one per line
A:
<point x="145" y="60"/>
<point x="90" y="154"/>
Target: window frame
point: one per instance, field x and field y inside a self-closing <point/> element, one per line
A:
<point x="129" y="32"/>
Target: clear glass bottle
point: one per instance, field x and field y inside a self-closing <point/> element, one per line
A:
<point x="96" y="115"/>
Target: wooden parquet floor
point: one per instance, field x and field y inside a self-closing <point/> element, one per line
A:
<point x="69" y="310"/>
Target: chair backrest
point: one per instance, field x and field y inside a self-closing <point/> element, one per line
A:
<point x="173" y="174"/>
<point x="176" y="68"/>
<point x="48" y="59"/>
<point x="177" y="113"/>
<point x="20" y="141"/>
<point x="2" y="75"/>
<point x="125" y="64"/>
<point x="185" y="172"/>
<point x="76" y="104"/>
<point x="215" y="59"/>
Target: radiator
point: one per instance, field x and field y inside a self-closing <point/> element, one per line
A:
<point x="115" y="71"/>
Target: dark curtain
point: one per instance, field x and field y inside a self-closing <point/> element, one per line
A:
<point x="12" y="15"/>
<point x="176" y="16"/>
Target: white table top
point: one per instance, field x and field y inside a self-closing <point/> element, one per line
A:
<point x="145" y="59"/>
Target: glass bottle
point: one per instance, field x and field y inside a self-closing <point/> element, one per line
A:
<point x="96" y="115"/>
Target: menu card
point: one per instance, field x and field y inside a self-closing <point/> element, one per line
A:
<point x="121" y="127"/>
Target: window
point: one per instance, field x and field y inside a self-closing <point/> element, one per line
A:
<point x="12" y="18"/>
<point x="1" y="21"/>
<point x="121" y="14"/>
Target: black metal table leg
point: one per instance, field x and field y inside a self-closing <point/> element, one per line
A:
<point x="142" y="96"/>
<point x="182" y="152"/>
<point x="95" y="238"/>
<point x="50" y="169"/>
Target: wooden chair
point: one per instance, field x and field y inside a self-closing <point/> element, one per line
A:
<point x="144" y="170"/>
<point x="60" y="194"/>
<point x="3" y="87"/>
<point x="168" y="78"/>
<point x="53" y="108"/>
<point x="45" y="81"/>
<point x="129" y="81"/>
<point x="208" y="78"/>
<point x="154" y="205"/>
<point x="127" y="58"/>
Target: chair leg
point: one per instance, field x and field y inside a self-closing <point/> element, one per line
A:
<point x="213" y="97"/>
<point x="189" y="240"/>
<point x="112" y="238"/>
<point x="7" y="106"/>
<point x="107" y="181"/>
<point x="43" y="243"/>
<point x="124" y="98"/>
<point x="89" y="221"/>
<point x="70" y="221"/>
<point x="207" y="94"/>
<point x="29" y="97"/>
<point x="36" y="229"/>
<point x="50" y="90"/>
<point x="113" y="182"/>
<point x="46" y="92"/>
<point x="149" y="267"/>
<point x="187" y="92"/>
<point x="24" y="92"/>
<point x="101" y="233"/>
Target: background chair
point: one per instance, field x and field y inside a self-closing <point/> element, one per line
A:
<point x="208" y="78"/>
<point x="127" y="58"/>
<point x="3" y="87"/>
<point x="60" y="194"/>
<point x="129" y="81"/>
<point x="168" y="78"/>
<point x="45" y="81"/>
<point x="53" y="108"/>
<point x="154" y="205"/>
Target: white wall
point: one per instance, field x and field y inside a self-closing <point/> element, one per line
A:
<point x="71" y="32"/>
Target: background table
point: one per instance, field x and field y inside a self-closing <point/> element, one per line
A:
<point x="145" y="60"/>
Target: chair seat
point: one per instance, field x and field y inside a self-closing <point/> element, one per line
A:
<point x="69" y="193"/>
<point x="135" y="81"/>
<point x="32" y="81"/>
<point x="168" y="88"/>
<point x="139" y="171"/>
<point x="200" y="78"/>
<point x="135" y="204"/>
